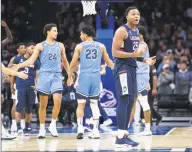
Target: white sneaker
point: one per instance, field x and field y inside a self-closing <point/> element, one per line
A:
<point x="7" y="136"/>
<point x="80" y="132"/>
<point x="106" y="123"/>
<point x="20" y="131"/>
<point x="53" y="130"/>
<point x="145" y="133"/>
<point x="94" y="134"/>
<point x="41" y="134"/>
<point x="13" y="128"/>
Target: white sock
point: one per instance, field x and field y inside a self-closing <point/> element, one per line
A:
<point x="42" y="126"/>
<point x="14" y="122"/>
<point x="95" y="124"/>
<point x="80" y="122"/>
<point x="53" y="121"/>
<point x="148" y="126"/>
<point x="121" y="133"/>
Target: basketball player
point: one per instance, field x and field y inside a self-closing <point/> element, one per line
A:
<point x="125" y="72"/>
<point x="21" y="51"/>
<point x="142" y="84"/>
<point x="90" y="53"/>
<point x="50" y="53"/>
<point x="26" y="95"/>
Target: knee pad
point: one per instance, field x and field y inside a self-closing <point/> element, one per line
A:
<point x="81" y="101"/>
<point x="19" y="108"/>
<point x="29" y="109"/>
<point x="144" y="102"/>
<point x="95" y="109"/>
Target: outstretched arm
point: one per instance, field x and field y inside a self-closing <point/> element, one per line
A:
<point x="8" y="33"/>
<point x="64" y="58"/>
<point x="13" y="73"/>
<point x="33" y="57"/>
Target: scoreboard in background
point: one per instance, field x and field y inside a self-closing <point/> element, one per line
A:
<point x="125" y="1"/>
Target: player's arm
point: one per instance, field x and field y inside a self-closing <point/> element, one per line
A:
<point x="8" y="33"/>
<point x="119" y="37"/>
<point x="106" y="58"/>
<point x="14" y="73"/>
<point x="75" y="60"/>
<point x="34" y="56"/>
<point x="64" y="58"/>
<point x="154" y="74"/>
<point x="10" y="65"/>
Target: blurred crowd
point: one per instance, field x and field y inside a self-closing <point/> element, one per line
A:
<point x="168" y="23"/>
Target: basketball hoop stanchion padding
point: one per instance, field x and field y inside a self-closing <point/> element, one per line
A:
<point x="89" y="7"/>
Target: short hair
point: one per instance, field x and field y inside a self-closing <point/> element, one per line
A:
<point x="19" y="44"/>
<point x="130" y="8"/>
<point x="89" y="30"/>
<point x="143" y="31"/>
<point x="48" y="27"/>
<point x="30" y="43"/>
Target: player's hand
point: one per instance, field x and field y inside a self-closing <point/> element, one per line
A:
<point x="148" y="87"/>
<point x="151" y="60"/>
<point x="15" y="67"/>
<point x="22" y="75"/>
<point x="103" y="71"/>
<point x="140" y="51"/>
<point x="4" y="24"/>
<point x="154" y="92"/>
<point x="69" y="81"/>
<point x="12" y="90"/>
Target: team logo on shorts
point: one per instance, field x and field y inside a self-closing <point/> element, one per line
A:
<point x="124" y="89"/>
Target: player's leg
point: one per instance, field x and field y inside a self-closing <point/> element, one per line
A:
<point x="31" y="96"/>
<point x="56" y="91"/>
<point x="22" y="98"/>
<point x="143" y="99"/>
<point x="43" y="87"/>
<point x="94" y="98"/>
<point x="81" y="100"/>
<point x="13" y="110"/>
<point x="82" y="89"/>
<point x="137" y="114"/>
<point x="125" y="78"/>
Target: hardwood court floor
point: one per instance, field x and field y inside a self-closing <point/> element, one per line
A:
<point x="176" y="138"/>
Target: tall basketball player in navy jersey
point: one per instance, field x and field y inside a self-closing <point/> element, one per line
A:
<point x="26" y="95"/>
<point x="20" y="52"/>
<point x="90" y="53"/>
<point x="125" y="72"/>
<point x="50" y="53"/>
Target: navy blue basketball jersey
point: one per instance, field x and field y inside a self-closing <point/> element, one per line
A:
<point x="50" y="57"/>
<point x="30" y="71"/>
<point x="90" y="57"/>
<point x="130" y="45"/>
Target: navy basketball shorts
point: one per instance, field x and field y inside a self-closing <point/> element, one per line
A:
<point x="26" y="97"/>
<point x="125" y="80"/>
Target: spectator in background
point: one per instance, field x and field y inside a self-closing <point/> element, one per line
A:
<point x="179" y="50"/>
<point x="183" y="75"/>
<point x="166" y="60"/>
<point x="165" y="80"/>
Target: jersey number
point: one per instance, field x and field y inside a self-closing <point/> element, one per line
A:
<point x="52" y="56"/>
<point x="26" y="70"/>
<point x="135" y="45"/>
<point x="91" y="54"/>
